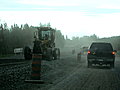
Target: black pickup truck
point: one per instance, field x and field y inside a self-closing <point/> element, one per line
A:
<point x="101" y="53"/>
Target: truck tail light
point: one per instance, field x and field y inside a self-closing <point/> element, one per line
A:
<point x="89" y="52"/>
<point x="113" y="53"/>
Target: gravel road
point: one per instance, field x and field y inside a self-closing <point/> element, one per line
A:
<point x="95" y="78"/>
<point x="68" y="73"/>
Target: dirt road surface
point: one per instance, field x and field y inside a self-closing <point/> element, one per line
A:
<point x="94" y="78"/>
<point x="68" y="73"/>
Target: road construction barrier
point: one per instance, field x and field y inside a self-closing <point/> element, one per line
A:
<point x="36" y="69"/>
<point x="36" y="66"/>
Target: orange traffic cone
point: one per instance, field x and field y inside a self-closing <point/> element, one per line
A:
<point x="36" y="69"/>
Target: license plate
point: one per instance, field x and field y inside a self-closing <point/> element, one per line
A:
<point x="100" y="59"/>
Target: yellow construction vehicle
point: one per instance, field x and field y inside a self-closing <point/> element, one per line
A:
<point x="44" y="43"/>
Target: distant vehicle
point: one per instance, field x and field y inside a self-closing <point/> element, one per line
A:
<point x="84" y="50"/>
<point x="101" y="53"/>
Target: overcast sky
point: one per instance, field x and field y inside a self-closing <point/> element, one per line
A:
<point x="72" y="17"/>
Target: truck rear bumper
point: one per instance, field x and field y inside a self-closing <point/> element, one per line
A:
<point x="101" y="61"/>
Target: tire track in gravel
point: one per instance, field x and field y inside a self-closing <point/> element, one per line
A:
<point x="62" y="71"/>
<point x="95" y="78"/>
<point x="69" y="82"/>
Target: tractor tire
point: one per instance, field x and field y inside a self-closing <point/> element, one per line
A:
<point x="49" y="55"/>
<point x="56" y="53"/>
<point x="27" y="53"/>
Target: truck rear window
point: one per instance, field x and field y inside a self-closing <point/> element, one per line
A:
<point x="101" y="46"/>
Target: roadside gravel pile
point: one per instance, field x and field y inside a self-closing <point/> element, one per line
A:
<point x="58" y="71"/>
<point x="12" y="77"/>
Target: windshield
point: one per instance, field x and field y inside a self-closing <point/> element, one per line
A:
<point x="46" y="34"/>
<point x="57" y="34"/>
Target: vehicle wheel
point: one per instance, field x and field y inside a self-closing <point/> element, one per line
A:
<point x="56" y="53"/>
<point x="79" y="57"/>
<point x="27" y="53"/>
<point x="55" y="57"/>
<point x="49" y="54"/>
<point x="89" y="64"/>
<point x="112" y="65"/>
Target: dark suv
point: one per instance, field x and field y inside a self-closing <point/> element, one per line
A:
<point x="101" y="53"/>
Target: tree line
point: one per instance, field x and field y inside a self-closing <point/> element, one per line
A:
<point x="21" y="36"/>
<point x="85" y="41"/>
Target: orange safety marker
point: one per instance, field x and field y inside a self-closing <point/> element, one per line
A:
<point x="36" y="69"/>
